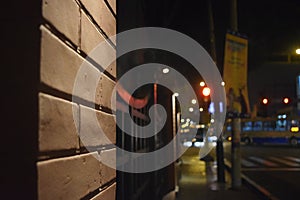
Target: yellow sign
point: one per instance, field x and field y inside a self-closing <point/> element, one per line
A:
<point x="235" y="73"/>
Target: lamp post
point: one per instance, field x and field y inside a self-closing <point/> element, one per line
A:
<point x="236" y="180"/>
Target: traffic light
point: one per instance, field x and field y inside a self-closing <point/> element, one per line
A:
<point x="206" y="91"/>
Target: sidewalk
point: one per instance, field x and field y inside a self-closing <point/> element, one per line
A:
<point x="198" y="180"/>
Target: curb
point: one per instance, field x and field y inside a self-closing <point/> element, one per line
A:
<point x="252" y="184"/>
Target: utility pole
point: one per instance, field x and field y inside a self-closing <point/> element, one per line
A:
<point x="236" y="120"/>
<point x="219" y="148"/>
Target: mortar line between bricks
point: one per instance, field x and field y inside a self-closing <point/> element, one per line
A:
<point x="110" y="8"/>
<point x="78" y="100"/>
<point x="99" y="190"/>
<point x="76" y="49"/>
<point x="49" y="155"/>
<point x="88" y="14"/>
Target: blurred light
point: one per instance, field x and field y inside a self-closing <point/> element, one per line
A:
<point x="295" y="129"/>
<point x="286" y="100"/>
<point x="194" y="101"/>
<point x="284" y="116"/>
<point x="199" y="144"/>
<point x="182" y="120"/>
<point x="187" y="144"/>
<point x="223" y="83"/>
<point x="188" y="119"/>
<point x="265" y="101"/>
<point x="166" y="70"/>
<point x="194" y="140"/>
<point x="212" y="138"/>
<point x="202" y="83"/>
<point x="229" y="138"/>
<point x="298" y="51"/>
<point x="201" y="109"/>
<point x="191" y="109"/>
<point x="211" y="108"/>
<point x="206" y="91"/>
<point x="176" y="94"/>
<point x="221" y="107"/>
<point x="212" y="121"/>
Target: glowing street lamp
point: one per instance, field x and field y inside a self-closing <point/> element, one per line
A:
<point x="265" y="101"/>
<point x="298" y="51"/>
<point x="286" y="100"/>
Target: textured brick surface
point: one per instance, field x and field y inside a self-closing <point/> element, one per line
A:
<point x="57" y="129"/>
<point x="112" y="4"/>
<point x="90" y="133"/>
<point x="90" y="36"/>
<point x="59" y="63"/>
<point x="108" y="193"/>
<point x="59" y="67"/>
<point x="102" y="15"/>
<point x="65" y="16"/>
<point x="105" y="92"/>
<point x="90" y="39"/>
<point x="72" y="177"/>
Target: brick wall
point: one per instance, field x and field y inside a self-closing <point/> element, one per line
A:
<point x="65" y="168"/>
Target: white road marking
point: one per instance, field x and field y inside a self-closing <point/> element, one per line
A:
<point x="263" y="161"/>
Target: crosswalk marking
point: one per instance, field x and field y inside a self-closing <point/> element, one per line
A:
<point x="285" y="162"/>
<point x="275" y="162"/>
<point x="263" y="161"/>
<point x="293" y="159"/>
<point x="247" y="163"/>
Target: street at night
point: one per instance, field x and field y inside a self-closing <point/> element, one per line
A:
<point x="274" y="167"/>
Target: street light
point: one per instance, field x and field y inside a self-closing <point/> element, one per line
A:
<point x="298" y="51"/>
<point x="265" y="101"/>
<point x="286" y="100"/>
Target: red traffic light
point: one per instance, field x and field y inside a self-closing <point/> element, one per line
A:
<point x="206" y="91"/>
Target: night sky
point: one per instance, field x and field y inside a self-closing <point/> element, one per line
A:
<point x="272" y="27"/>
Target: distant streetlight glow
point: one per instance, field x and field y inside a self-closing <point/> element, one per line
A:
<point x="223" y="83"/>
<point x="202" y="84"/>
<point x="201" y="109"/>
<point x="166" y="70"/>
<point x="191" y="109"/>
<point x="286" y="100"/>
<point x="298" y="51"/>
<point x="265" y="101"/>
<point x="194" y="101"/>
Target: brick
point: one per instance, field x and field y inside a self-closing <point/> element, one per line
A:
<point x="91" y="38"/>
<point x="65" y="16"/>
<point x="59" y="63"/>
<point x="89" y="129"/>
<point x="57" y="125"/>
<point x="59" y="67"/>
<point x="112" y="4"/>
<point x="72" y="177"/>
<point x="109" y="193"/>
<point x="104" y="92"/>
<point x="108" y="173"/>
<point x="102" y="15"/>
